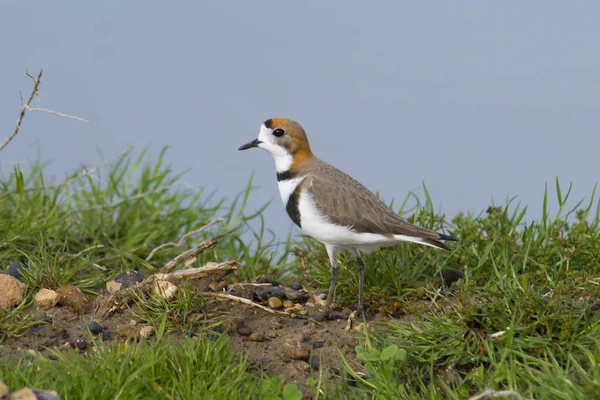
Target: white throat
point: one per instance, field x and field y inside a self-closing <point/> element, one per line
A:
<point x="283" y="159"/>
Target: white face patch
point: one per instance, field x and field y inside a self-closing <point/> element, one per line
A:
<point x="283" y="159"/>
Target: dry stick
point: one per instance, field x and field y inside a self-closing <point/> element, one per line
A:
<point x="193" y="273"/>
<point x="183" y="239"/>
<point x="24" y="107"/>
<point x="244" y="301"/>
<point x="59" y="114"/>
<point x="207" y="244"/>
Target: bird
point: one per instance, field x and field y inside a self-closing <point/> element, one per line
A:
<point x="331" y="206"/>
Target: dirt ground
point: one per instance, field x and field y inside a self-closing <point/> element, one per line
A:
<point x="278" y="345"/>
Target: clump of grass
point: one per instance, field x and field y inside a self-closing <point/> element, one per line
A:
<point x="522" y="320"/>
<point x="185" y="313"/>
<point x="186" y="369"/>
<point x="105" y="219"/>
<point x="16" y="321"/>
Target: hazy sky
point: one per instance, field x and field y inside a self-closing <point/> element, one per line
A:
<point x="479" y="99"/>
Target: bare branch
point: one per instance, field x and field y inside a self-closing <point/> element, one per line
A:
<point x="59" y="114"/>
<point x="183" y="239"/>
<point x="207" y="244"/>
<point x="24" y="107"/>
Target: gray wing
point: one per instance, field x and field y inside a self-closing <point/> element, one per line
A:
<point x="347" y="202"/>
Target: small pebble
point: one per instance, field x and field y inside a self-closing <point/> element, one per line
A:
<point x="3" y="389"/>
<point x="296" y="295"/>
<point x="23" y="394"/>
<point x="146" y="331"/>
<point x="275" y="303"/>
<point x="296" y="350"/>
<point x="165" y="289"/>
<point x="124" y="280"/>
<point x="288" y="304"/>
<point x="244" y="330"/>
<point x="94" y="327"/>
<point x="14" y="269"/>
<point x="296" y="286"/>
<point x="107" y="335"/>
<point x="43" y="395"/>
<point x="317" y="344"/>
<point x="263" y="279"/>
<point x="257" y="337"/>
<point x="218" y="329"/>
<point x="128" y="331"/>
<point x="45" y="299"/>
<point x="451" y="275"/>
<point x="11" y="291"/>
<point x="78" y="343"/>
<point x="276" y="291"/>
<point x="72" y="297"/>
<point x="52" y="357"/>
<point x="301" y="366"/>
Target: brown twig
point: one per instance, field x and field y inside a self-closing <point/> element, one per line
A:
<point x="183" y="239"/>
<point x="59" y="114"/>
<point x="207" y="244"/>
<point x="244" y="301"/>
<point x="193" y="273"/>
<point x="24" y="107"/>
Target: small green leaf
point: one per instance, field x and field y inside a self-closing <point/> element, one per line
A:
<point x="366" y="355"/>
<point x="400" y="355"/>
<point x="388" y="352"/>
<point x="291" y="392"/>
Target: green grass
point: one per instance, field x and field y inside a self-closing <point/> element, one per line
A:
<point x="167" y="370"/>
<point x="522" y="320"/>
<point x="535" y="281"/>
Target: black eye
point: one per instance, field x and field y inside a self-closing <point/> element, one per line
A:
<point x="278" y="132"/>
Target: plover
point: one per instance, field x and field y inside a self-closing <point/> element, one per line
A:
<point x="331" y="206"/>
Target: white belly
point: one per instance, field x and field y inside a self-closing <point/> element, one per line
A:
<point x="321" y="228"/>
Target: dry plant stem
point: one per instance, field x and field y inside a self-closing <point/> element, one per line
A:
<point x="183" y="239"/>
<point x="492" y="394"/>
<point x="24" y="107"/>
<point x="194" y="273"/>
<point x="244" y="301"/>
<point x="207" y="244"/>
<point x="98" y="246"/>
<point x="59" y="114"/>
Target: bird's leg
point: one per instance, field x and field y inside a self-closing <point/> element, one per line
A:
<point x="360" y="309"/>
<point x="333" y="253"/>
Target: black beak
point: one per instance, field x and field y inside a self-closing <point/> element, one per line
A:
<point x="250" y="145"/>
